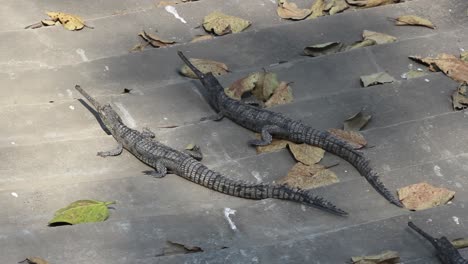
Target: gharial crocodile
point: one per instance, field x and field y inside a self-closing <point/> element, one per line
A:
<point x="163" y="158"/>
<point x="270" y="124"/>
<point x="446" y="252"/>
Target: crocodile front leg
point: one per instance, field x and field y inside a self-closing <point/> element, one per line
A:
<point x="266" y="135"/>
<point x="159" y="171"/>
<point x="194" y="153"/>
<point x="113" y="152"/>
<point x="146" y="132"/>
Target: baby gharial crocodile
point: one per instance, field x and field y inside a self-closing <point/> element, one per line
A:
<point x="163" y="158"/>
<point x="446" y="252"/>
<point x="271" y="124"/>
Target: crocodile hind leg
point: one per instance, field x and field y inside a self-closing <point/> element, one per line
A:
<point x="146" y="132"/>
<point x="159" y="171"/>
<point x="195" y="153"/>
<point x="113" y="152"/>
<point x="266" y="135"/>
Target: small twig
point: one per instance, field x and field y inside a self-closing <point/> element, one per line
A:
<point x="34" y="26"/>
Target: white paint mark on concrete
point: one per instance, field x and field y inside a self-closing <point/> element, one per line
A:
<point x="69" y="93"/>
<point x="243" y="253"/>
<point x="257" y="176"/>
<point x="386" y="167"/>
<point x="106" y="68"/>
<point x="13" y="143"/>
<point x="419" y="69"/>
<point x="254" y="260"/>
<point x="14" y="194"/>
<point x="437" y="171"/>
<point x="172" y="10"/>
<point x="404" y="75"/>
<point x="126" y="115"/>
<point x="165" y="118"/>
<point x="227" y="212"/>
<point x="459" y="185"/>
<point x="71" y="107"/>
<point x="303" y="207"/>
<point x="462" y="49"/>
<point x="82" y="54"/>
<point x="429" y="220"/>
<point x="456" y="220"/>
<point x="426" y="80"/>
<point x="269" y="207"/>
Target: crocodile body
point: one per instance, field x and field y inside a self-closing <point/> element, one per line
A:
<point x="446" y="252"/>
<point x="163" y="158"/>
<point x="270" y="124"/>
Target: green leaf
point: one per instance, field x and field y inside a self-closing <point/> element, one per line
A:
<point x="266" y="86"/>
<point x="82" y="211"/>
<point x="379" y="38"/>
<point x="386" y="257"/>
<point x="222" y="24"/>
<point x="376" y="78"/>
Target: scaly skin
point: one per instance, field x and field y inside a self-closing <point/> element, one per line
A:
<point x="164" y="158"/>
<point x="271" y="124"/>
<point x="446" y="252"/>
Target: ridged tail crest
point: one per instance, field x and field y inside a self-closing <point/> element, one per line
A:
<point x="336" y="146"/>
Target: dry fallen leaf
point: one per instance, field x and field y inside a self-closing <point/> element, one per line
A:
<point x="282" y="95"/>
<point x="370" y="3"/>
<point x="69" y="21"/>
<point x="139" y="47"/>
<point x="464" y="56"/>
<point x="174" y="248"/>
<point x="154" y="40"/>
<point x="413" y="74"/>
<point x="241" y="86"/>
<point x="308" y="177"/>
<point x="386" y="257"/>
<point x="336" y="6"/>
<point x="460" y="243"/>
<point x="201" y="38"/>
<point x="221" y="24"/>
<point x="410" y="20"/>
<point x="34" y="260"/>
<point x="452" y="66"/>
<point x="317" y="9"/>
<point x="276" y="144"/>
<point x="353" y="138"/>
<point x="379" y="38"/>
<point x="376" y="78"/>
<point x="323" y="49"/>
<point x="306" y="153"/>
<point x="359" y="44"/>
<point x="460" y="97"/>
<point x="356" y="121"/>
<point x="289" y="10"/>
<point x="422" y="196"/>
<point x="205" y="66"/>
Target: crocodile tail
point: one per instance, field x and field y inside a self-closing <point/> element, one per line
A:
<point x="422" y="233"/>
<point x="334" y="145"/>
<point x="197" y="72"/>
<point x="198" y="173"/>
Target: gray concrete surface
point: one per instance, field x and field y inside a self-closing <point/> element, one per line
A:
<point x="49" y="139"/>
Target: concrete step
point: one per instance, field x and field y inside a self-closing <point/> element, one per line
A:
<point x="262" y="44"/>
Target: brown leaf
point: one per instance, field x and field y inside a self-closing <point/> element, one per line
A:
<point x="422" y="196"/>
<point x="356" y="122"/>
<point x="201" y="38"/>
<point x="34" y="260"/>
<point x="452" y="66"/>
<point x="154" y="40"/>
<point x="266" y="85"/>
<point x="317" y="9"/>
<point x="241" y="86"/>
<point x="307" y="177"/>
<point x="68" y="21"/>
<point x="359" y="44"/>
<point x="275" y="145"/>
<point x="222" y="24"/>
<point x="205" y="66"/>
<point x="288" y="10"/>
<point x="460" y="97"/>
<point x="282" y="95"/>
<point x="306" y="153"/>
<point x="353" y="138"/>
<point x="386" y="257"/>
<point x="413" y="21"/>
<point x="379" y="38"/>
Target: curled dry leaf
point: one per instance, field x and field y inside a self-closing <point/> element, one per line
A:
<point x="464" y="56"/>
<point x="460" y="97"/>
<point x="323" y="49"/>
<point x="376" y="78"/>
<point x="386" y="257"/>
<point x="356" y="122"/>
<point x="379" y="38"/>
<point x="282" y="95"/>
<point x="422" y="196"/>
<point x="154" y="40"/>
<point x="359" y="44"/>
<point x="221" y="24"/>
<point x="410" y="20"/>
<point x="317" y="9"/>
<point x="354" y="138"/>
<point x="205" y="66"/>
<point x="241" y="86"/>
<point x="48" y="22"/>
<point x="174" y="248"/>
<point x="289" y="10"/>
<point x="306" y="153"/>
<point x="34" y="260"/>
<point x="201" y="38"/>
<point x="82" y="211"/>
<point x="69" y="21"/>
<point x="308" y="177"/>
<point x="336" y="6"/>
<point x="452" y="66"/>
<point x="370" y="3"/>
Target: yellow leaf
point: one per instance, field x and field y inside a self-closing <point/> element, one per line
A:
<point x="414" y="21"/>
<point x="317" y="9"/>
<point x="386" y="257"/>
<point x="336" y="6"/>
<point x="201" y="38"/>
<point x="68" y="21"/>
<point x="422" y="196"/>
<point x="306" y="153"/>
<point x="222" y="24"/>
<point x="379" y="38"/>
<point x="307" y="177"/>
<point x="288" y="10"/>
<point x="35" y="260"/>
<point x="205" y="66"/>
